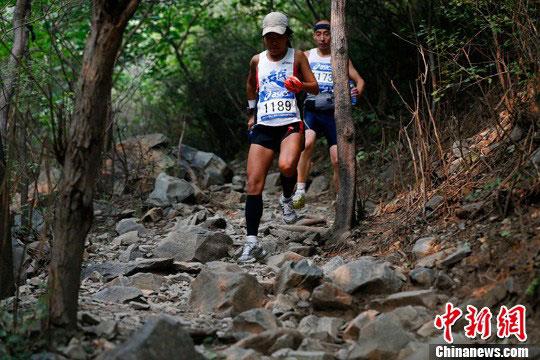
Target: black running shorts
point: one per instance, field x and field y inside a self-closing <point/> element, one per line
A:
<point x="271" y="136"/>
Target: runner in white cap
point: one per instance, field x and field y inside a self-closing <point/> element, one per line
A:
<point x="275" y="77"/>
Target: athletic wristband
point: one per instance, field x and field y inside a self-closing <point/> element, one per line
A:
<point x="251" y="104"/>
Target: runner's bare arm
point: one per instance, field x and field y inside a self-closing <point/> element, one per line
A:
<point x="355" y="76"/>
<point x="251" y="85"/>
<point x="309" y="82"/>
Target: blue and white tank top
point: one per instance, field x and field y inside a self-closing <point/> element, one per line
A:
<point x="276" y="105"/>
<point x="322" y="69"/>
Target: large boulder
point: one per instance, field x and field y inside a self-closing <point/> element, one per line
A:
<point x="319" y="184"/>
<point x="225" y="290"/>
<point x="382" y="338"/>
<point x="169" y="190"/>
<point x="143" y="158"/>
<point x="160" y="338"/>
<point x="367" y="274"/>
<point x="211" y="168"/>
<point x="194" y="243"/>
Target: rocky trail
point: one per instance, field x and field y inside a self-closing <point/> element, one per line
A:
<point x="160" y="280"/>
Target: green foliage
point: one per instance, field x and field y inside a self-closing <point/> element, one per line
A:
<point x="185" y="61"/>
<point x="19" y="340"/>
<point x="486" y="189"/>
<point x="533" y="288"/>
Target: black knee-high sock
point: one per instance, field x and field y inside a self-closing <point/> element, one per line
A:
<point x="288" y="183"/>
<point x="254" y="210"/>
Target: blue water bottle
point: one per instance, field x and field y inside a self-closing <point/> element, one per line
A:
<point x="353" y="97"/>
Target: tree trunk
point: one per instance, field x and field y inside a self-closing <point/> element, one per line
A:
<point x="7" y="285"/>
<point x="20" y="42"/>
<point x="346" y="200"/>
<point x="74" y="208"/>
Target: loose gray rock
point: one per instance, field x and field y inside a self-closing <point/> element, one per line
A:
<point x="467" y="211"/>
<point x="224" y="289"/>
<point x="128" y="238"/>
<point x="169" y="190"/>
<point x="211" y="168"/>
<point x="194" y="243"/>
<point x="319" y="184"/>
<point x="424" y="246"/>
<point x="411" y="317"/>
<point x="118" y="294"/>
<point x="321" y="328"/>
<point x="383" y="338"/>
<point x="143" y="281"/>
<point x="302" y="355"/>
<point x="329" y="297"/>
<point x="131" y="253"/>
<point x="215" y="223"/>
<point x="282" y="304"/>
<point x="129" y="224"/>
<point x="427" y="298"/>
<point x="422" y="276"/>
<point x="110" y="270"/>
<point x="434" y="202"/>
<point x="238" y="183"/>
<point x="352" y="330"/>
<point x="461" y="253"/>
<point x="415" y="350"/>
<point x="279" y="259"/>
<point x="368" y="275"/>
<point x="237" y="353"/>
<point x="254" y="321"/>
<point x="153" y="215"/>
<point x="297" y="274"/>
<point x="273" y="180"/>
<point x="332" y="265"/>
<point x="430" y="260"/>
<point x="270" y="341"/>
<point x="161" y="338"/>
<point x="443" y="281"/>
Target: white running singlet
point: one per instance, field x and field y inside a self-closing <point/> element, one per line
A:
<point x="276" y="105"/>
<point x="322" y="69"/>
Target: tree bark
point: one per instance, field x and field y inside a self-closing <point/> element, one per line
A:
<point x="74" y="208"/>
<point x="346" y="199"/>
<point x="20" y="43"/>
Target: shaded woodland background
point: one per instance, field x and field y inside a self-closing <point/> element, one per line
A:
<point x="437" y="72"/>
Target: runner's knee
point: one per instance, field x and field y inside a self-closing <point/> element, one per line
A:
<point x="254" y="185"/>
<point x="310" y="144"/>
<point x="287" y="167"/>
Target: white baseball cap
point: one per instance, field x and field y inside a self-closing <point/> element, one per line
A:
<point x="276" y="22"/>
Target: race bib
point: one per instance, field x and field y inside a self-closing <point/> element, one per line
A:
<point x="280" y="107"/>
<point x="323" y="75"/>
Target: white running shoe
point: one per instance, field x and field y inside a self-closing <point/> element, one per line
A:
<point x="289" y="215"/>
<point x="251" y="252"/>
<point x="299" y="199"/>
